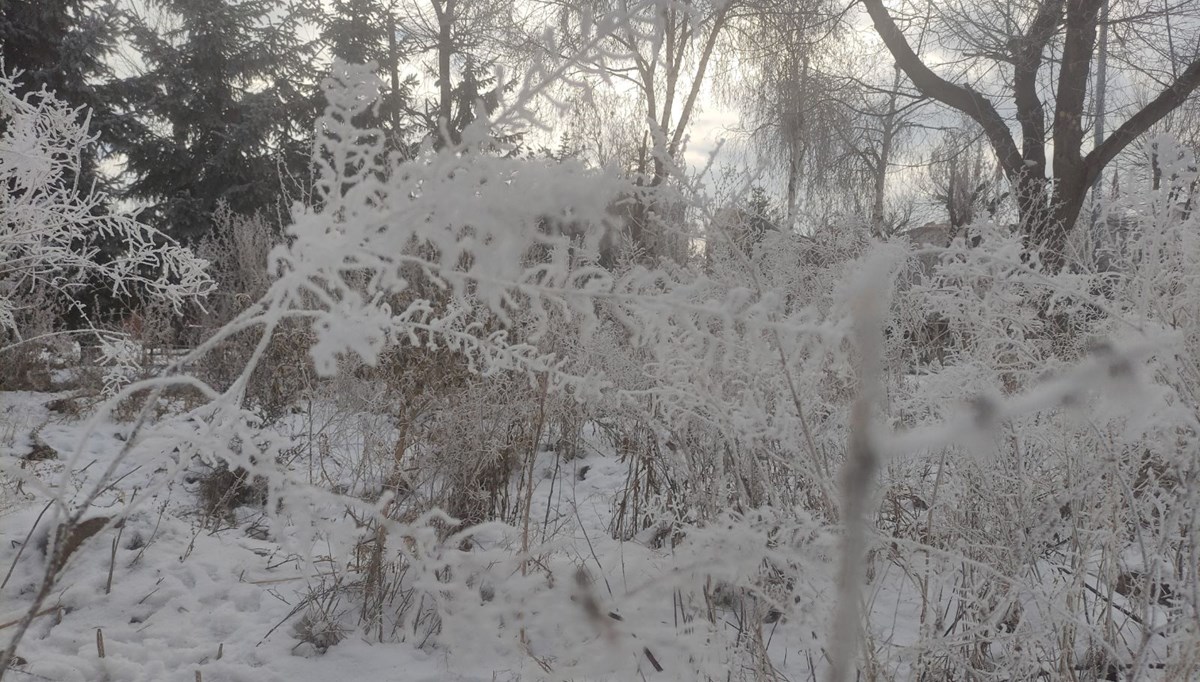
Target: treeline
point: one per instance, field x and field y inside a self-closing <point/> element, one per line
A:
<point x="207" y="103"/>
<point x="202" y="103"/>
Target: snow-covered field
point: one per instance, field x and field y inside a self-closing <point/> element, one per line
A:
<point x="173" y="592"/>
<point x="182" y="598"/>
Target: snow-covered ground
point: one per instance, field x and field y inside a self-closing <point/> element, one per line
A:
<point x="227" y="599"/>
<point x="183" y="598"/>
<point x="175" y="593"/>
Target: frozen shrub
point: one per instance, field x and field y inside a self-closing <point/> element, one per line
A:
<point x="51" y="228"/>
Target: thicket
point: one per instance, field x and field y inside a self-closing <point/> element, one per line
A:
<point x="810" y="425"/>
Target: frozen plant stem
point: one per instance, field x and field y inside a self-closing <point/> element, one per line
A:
<point x="533" y="451"/>
<point x="858" y="476"/>
<point x="543" y="387"/>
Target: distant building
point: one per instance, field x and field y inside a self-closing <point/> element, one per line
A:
<point x="931" y="234"/>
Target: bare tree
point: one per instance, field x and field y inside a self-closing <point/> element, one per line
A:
<point x="878" y="125"/>
<point x="962" y="173"/>
<point x="787" y="94"/>
<point x="1021" y="40"/>
<point x="833" y="133"/>
<point x="659" y="55"/>
<point x="670" y="45"/>
<point x="460" y="45"/>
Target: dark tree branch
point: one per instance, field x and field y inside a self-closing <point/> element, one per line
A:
<point x="1049" y="207"/>
<point x="1072" y="87"/>
<point x="1027" y="61"/>
<point x="1168" y="100"/>
<point x="962" y="98"/>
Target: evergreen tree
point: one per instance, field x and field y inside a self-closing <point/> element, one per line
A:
<point x="362" y="31"/>
<point x="356" y="31"/>
<point x="227" y="101"/>
<point x="476" y="88"/>
<point x="760" y="216"/>
<point x="456" y="44"/>
<point x="465" y="49"/>
<point x="60" y="46"/>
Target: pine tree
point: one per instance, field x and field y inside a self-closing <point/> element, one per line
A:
<point x="362" y="31"/>
<point x="60" y="46"/>
<point x="227" y="102"/>
<point x="356" y="31"/>
<point x="463" y="64"/>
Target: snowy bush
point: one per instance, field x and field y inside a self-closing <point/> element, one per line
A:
<point x="52" y="229"/>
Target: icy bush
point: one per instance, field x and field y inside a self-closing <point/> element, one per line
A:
<point x="52" y="229"/>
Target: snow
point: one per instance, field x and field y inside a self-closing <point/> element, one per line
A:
<point x="181" y="593"/>
<point x="20" y="414"/>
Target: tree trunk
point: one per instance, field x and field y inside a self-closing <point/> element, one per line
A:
<point x="885" y="157"/>
<point x="793" y="182"/>
<point x="445" y="16"/>
<point x="395" y="104"/>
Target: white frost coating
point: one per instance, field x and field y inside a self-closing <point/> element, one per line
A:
<point x="50" y="226"/>
<point x="464" y="220"/>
